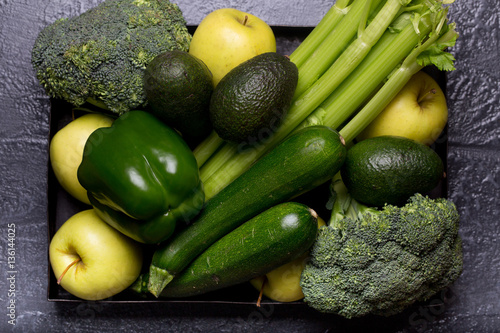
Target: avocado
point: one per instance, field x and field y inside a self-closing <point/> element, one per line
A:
<point x="250" y="101"/>
<point x="178" y="88"/>
<point x="390" y="169"/>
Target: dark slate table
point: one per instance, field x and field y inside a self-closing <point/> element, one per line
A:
<point x="471" y="305"/>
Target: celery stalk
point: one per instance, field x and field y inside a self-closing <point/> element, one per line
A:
<point x="372" y="53"/>
<point x="320" y="32"/>
<point x="226" y="152"/>
<point x="333" y="45"/>
<point x="218" y="172"/>
<point x="348" y="60"/>
<point x="364" y="81"/>
<point x="206" y="148"/>
<point x="329" y="21"/>
<point x="228" y="163"/>
<point x="394" y="84"/>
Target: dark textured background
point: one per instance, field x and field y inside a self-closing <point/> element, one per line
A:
<point x="471" y="305"/>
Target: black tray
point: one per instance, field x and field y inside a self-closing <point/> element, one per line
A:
<point x="61" y="205"/>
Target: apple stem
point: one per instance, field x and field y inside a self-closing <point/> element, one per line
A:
<point x="246" y="20"/>
<point x="261" y="291"/>
<point x="74" y="262"/>
<point x="432" y="91"/>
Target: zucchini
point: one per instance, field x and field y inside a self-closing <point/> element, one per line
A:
<point x="303" y="161"/>
<point x="269" y="240"/>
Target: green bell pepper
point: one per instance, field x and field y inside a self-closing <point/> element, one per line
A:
<point x="141" y="177"/>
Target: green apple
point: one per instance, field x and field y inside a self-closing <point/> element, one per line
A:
<point x="66" y="151"/>
<point x="419" y="112"/>
<point x="283" y="283"/>
<point x="91" y="259"/>
<point x="227" y="37"/>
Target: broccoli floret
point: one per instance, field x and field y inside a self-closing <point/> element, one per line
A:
<point x="100" y="56"/>
<point x="380" y="261"/>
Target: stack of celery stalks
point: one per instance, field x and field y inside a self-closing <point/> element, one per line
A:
<point x="350" y="66"/>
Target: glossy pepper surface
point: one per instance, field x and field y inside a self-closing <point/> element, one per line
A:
<point x="141" y="177"/>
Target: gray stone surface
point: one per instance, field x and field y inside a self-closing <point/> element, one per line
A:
<point x="471" y="305"/>
<point x="277" y="13"/>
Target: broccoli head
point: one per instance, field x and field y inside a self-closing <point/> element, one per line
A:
<point x="380" y="261"/>
<point x="100" y="56"/>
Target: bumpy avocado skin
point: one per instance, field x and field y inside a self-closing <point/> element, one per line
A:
<point x="389" y="169"/>
<point x="178" y="88"/>
<point x="250" y="102"/>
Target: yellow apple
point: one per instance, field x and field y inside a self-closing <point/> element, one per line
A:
<point x="91" y="259"/>
<point x="66" y="151"/>
<point x="419" y="112"/>
<point x="227" y="37"/>
<point x="283" y="283"/>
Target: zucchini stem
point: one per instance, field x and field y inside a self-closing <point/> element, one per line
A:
<point x="158" y="279"/>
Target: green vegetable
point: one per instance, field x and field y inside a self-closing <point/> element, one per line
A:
<point x="100" y="56"/>
<point x="178" y="88"/>
<point x="250" y="101"/>
<point x="141" y="177"/>
<point x="394" y="41"/>
<point x="369" y="261"/>
<point x="305" y="160"/>
<point x="341" y="38"/>
<point x="331" y="19"/>
<point x="390" y="169"/>
<point x="272" y="238"/>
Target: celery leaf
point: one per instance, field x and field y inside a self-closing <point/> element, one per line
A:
<point x="435" y="55"/>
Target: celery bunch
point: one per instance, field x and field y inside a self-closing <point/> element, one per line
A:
<point x="350" y="67"/>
